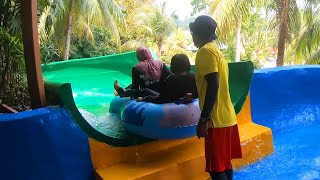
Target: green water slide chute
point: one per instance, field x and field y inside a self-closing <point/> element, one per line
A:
<point x="85" y="86"/>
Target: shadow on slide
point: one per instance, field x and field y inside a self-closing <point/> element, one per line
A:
<point x="85" y="88"/>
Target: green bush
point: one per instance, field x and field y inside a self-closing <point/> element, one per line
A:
<point x="13" y="84"/>
<point x="49" y="53"/>
<point x="101" y="45"/>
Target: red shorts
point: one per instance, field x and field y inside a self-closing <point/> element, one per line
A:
<point x="221" y="146"/>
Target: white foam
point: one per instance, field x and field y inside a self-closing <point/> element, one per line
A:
<point x="310" y="175"/>
<point x="317" y="162"/>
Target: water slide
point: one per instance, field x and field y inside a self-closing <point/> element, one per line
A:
<point x="287" y="100"/>
<point x="285" y="96"/>
<point x="85" y="88"/>
<point x="37" y="144"/>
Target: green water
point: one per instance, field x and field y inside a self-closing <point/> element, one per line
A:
<point x="92" y="88"/>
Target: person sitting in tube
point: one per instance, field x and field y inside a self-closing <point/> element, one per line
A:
<point x="179" y="87"/>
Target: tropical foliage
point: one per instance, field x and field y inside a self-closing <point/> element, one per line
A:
<point x="13" y="85"/>
<point x="262" y="31"/>
<point x="63" y="19"/>
<point x="282" y="22"/>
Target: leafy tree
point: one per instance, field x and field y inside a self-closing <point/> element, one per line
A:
<point x="199" y="5"/>
<point x="63" y="18"/>
<point x="177" y="43"/>
<point x="152" y="28"/>
<point x="10" y="18"/>
<point x="103" y="45"/>
<point x="13" y="86"/>
<point x="306" y="46"/>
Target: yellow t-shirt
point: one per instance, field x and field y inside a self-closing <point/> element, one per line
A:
<point x="210" y="59"/>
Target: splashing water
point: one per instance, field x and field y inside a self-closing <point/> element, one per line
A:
<point x="296" y="156"/>
<point x="109" y="124"/>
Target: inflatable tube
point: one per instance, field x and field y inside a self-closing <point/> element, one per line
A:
<point x="158" y="121"/>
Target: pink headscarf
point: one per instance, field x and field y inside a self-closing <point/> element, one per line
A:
<point x="147" y="65"/>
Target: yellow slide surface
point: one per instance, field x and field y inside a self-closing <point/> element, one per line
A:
<point x="177" y="159"/>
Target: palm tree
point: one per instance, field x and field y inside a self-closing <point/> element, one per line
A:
<point x="76" y="17"/>
<point x="308" y="43"/>
<point x="177" y="43"/>
<point x="283" y="13"/>
<point x="304" y="48"/>
<point x="226" y="13"/>
<point x="10" y="19"/>
<point x="152" y="26"/>
<point x="288" y="23"/>
<point x="230" y="11"/>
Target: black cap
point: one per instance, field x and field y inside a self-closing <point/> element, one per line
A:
<point x="205" y="27"/>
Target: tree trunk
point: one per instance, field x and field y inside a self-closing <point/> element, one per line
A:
<point x="267" y="29"/>
<point x="283" y="30"/>
<point x="238" y="40"/>
<point x="69" y="32"/>
<point x="160" y="44"/>
<point x="4" y="74"/>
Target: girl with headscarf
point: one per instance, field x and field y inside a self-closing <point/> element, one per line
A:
<point x="148" y="73"/>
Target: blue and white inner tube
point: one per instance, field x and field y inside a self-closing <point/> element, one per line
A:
<point x="158" y="121"/>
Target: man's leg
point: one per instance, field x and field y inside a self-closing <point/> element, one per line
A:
<point x="135" y="93"/>
<point x="149" y="92"/>
<point x="229" y="173"/>
<point x="218" y="175"/>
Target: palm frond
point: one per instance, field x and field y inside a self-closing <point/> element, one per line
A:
<point x="309" y="40"/>
<point x="148" y="31"/>
<point x="110" y="11"/>
<point x="314" y="58"/>
<point x="133" y="44"/>
<point x="116" y="12"/>
<point x="291" y="56"/>
<point x="60" y="25"/>
<point x="213" y="6"/>
<point x="43" y="33"/>
<point x="153" y="24"/>
<point x="295" y="19"/>
<point x="52" y="22"/>
<point x="83" y="29"/>
<point x="226" y="13"/>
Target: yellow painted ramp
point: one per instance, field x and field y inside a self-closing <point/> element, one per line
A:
<point x="176" y="159"/>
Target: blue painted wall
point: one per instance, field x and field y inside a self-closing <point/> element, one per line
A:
<point x="286" y="97"/>
<point x="43" y="144"/>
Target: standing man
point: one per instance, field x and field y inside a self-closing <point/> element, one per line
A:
<point x="218" y="122"/>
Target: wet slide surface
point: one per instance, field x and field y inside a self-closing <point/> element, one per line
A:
<point x="91" y="91"/>
<point x="287" y="100"/>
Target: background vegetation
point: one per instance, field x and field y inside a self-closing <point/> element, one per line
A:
<point x="264" y="31"/>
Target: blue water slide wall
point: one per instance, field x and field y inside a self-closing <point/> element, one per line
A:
<point x="286" y="97"/>
<point x="47" y="144"/>
<point x="43" y="144"/>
